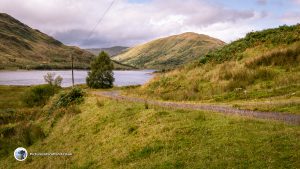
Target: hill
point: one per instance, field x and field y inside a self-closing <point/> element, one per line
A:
<point x="264" y="64"/>
<point x="22" y="47"/>
<point x="112" y="51"/>
<point x="169" y="52"/>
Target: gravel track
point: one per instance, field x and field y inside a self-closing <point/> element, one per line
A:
<point x="288" y="118"/>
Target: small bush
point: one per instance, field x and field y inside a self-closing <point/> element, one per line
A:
<point x="75" y="96"/>
<point x="52" y="80"/>
<point x="39" y="95"/>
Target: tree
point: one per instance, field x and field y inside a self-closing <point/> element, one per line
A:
<point x="101" y="73"/>
<point x="51" y="80"/>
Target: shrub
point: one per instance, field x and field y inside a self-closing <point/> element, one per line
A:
<point x="51" y="80"/>
<point x="101" y="74"/>
<point x="74" y="96"/>
<point x="39" y="95"/>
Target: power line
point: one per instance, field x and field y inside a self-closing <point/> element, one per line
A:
<point x="100" y="20"/>
<point x="90" y="34"/>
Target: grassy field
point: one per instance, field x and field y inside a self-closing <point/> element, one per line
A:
<point x="116" y="134"/>
<point x="10" y="96"/>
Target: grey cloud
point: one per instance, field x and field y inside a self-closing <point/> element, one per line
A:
<point x="126" y="24"/>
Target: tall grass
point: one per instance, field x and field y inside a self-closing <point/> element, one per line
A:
<point x="285" y="57"/>
<point x="256" y="66"/>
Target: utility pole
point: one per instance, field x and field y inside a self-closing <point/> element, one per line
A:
<point x="72" y="70"/>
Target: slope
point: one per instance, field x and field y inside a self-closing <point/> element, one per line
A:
<point x="22" y="47"/>
<point x="105" y="133"/>
<point x="264" y="64"/>
<point x="112" y="51"/>
<point x="169" y="52"/>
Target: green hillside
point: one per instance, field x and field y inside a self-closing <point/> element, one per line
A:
<point x="112" y="51"/>
<point x="104" y="133"/>
<point x="264" y="64"/>
<point x="22" y="47"/>
<point x="169" y="52"/>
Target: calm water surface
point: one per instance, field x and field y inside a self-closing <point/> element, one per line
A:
<point x="34" y="77"/>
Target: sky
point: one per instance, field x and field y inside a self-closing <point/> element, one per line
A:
<point x="133" y="22"/>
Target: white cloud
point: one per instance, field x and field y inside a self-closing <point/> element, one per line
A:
<point x="128" y="23"/>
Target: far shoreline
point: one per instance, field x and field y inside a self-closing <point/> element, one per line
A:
<point x="16" y="70"/>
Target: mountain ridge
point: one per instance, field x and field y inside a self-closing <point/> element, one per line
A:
<point x="22" y="47"/>
<point x="112" y="51"/>
<point x="169" y="52"/>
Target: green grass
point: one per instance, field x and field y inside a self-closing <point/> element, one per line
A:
<point x="269" y="38"/>
<point x="10" y="96"/>
<point x="291" y="106"/>
<point x="16" y="120"/>
<point x="116" y="134"/>
<point x="21" y="125"/>
<point x="252" y="68"/>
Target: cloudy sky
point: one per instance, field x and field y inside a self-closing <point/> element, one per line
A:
<point x="131" y="22"/>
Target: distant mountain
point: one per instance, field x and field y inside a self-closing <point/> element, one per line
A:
<point x="169" y="52"/>
<point x="22" y="47"/>
<point x="112" y="51"/>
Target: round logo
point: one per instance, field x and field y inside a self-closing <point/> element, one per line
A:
<point x="20" y="154"/>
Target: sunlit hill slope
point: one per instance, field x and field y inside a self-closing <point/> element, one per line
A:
<point x="169" y="52"/>
<point x="261" y="65"/>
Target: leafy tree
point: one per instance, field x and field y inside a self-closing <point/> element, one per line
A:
<point x="51" y="80"/>
<point x="101" y="74"/>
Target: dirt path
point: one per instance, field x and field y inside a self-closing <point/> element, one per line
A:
<point x="288" y="118"/>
